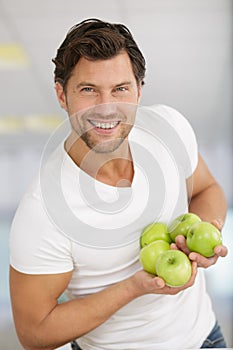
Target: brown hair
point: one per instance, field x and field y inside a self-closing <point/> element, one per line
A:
<point x="96" y="40"/>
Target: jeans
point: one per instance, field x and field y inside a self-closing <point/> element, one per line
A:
<point x="74" y="345"/>
<point x="214" y="340"/>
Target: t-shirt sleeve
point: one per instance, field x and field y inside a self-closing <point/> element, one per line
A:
<point x="179" y="137"/>
<point x="36" y="245"/>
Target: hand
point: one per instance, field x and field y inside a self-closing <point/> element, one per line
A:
<point x="145" y="283"/>
<point x="220" y="250"/>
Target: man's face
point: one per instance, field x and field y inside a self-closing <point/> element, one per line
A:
<point x="101" y="99"/>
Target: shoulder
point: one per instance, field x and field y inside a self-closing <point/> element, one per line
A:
<point x="168" y="116"/>
<point x="173" y="130"/>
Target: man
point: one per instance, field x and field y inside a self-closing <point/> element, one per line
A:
<point x="78" y="226"/>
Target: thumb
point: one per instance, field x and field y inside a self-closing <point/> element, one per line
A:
<point x="158" y="282"/>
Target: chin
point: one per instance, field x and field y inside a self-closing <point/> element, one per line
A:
<point x="107" y="146"/>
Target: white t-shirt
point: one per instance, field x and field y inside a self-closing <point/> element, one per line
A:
<point x="68" y="221"/>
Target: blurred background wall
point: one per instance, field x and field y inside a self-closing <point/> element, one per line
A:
<point x="188" y="48"/>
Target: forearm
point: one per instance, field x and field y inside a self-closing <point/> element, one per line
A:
<point x="74" y="318"/>
<point x="42" y="324"/>
<point x="210" y="204"/>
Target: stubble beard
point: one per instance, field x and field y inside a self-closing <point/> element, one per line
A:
<point x="105" y="146"/>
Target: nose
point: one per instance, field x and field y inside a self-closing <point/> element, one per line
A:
<point x="106" y="104"/>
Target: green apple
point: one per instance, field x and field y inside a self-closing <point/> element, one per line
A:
<point x="203" y="237"/>
<point x="182" y="224"/>
<point x="174" y="267"/>
<point x="154" y="232"/>
<point x="150" y="253"/>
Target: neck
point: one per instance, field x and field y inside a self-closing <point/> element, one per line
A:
<point x="113" y="168"/>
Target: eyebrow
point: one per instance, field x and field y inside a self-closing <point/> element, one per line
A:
<point x="86" y="83"/>
<point x="124" y="83"/>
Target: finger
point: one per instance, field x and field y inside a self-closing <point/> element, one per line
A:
<point x="193" y="276"/>
<point x="158" y="283"/>
<point x="173" y="246"/>
<point x="149" y="283"/>
<point x="221" y="250"/>
<point x="194" y="272"/>
<point x="202" y="261"/>
<point x="218" y="223"/>
<point x="181" y="244"/>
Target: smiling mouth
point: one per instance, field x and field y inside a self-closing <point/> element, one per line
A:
<point x="105" y="126"/>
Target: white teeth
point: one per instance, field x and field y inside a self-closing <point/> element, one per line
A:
<point x="104" y="125"/>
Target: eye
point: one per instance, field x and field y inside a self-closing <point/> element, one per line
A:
<point x="121" y="88"/>
<point x="87" y="89"/>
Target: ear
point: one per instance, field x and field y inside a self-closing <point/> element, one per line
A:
<point x="61" y="96"/>
<point x="139" y="91"/>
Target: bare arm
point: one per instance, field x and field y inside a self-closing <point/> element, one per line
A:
<point x="42" y="323"/>
<point x="206" y="196"/>
<point x="208" y="201"/>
